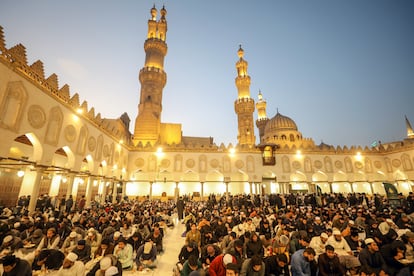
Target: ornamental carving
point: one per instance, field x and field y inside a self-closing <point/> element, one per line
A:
<point x="139" y="162"/>
<point x="239" y="164"/>
<point x="214" y="163"/>
<point x="358" y="165"/>
<point x="338" y="164"/>
<point x="105" y="150"/>
<point x="396" y="162"/>
<point x="36" y="116"/>
<point x="296" y="165"/>
<point x="190" y="163"/>
<point x="54" y="126"/>
<point x="12" y="106"/>
<point x="70" y="133"/>
<point x="165" y="163"/>
<point x="378" y="164"/>
<point x="317" y="164"/>
<point x="91" y="143"/>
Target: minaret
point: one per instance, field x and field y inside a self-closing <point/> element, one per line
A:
<point x="153" y="79"/>
<point x="261" y="115"/>
<point x="244" y="105"/>
<point x="410" y="132"/>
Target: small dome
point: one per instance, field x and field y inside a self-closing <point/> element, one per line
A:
<point x="280" y="123"/>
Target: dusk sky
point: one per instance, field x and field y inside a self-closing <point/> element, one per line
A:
<point x="342" y="70"/>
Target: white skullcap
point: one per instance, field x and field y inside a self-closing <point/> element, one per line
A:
<point x="8" y="239"/>
<point x="324" y="235"/>
<point x="317" y="218"/>
<point x="336" y="232"/>
<point x="227" y="259"/>
<point x="72" y="257"/>
<point x="16" y="225"/>
<point x="111" y="271"/>
<point x="368" y="241"/>
<point x="117" y="234"/>
<point x="389" y="220"/>
<point x="105" y="263"/>
<point x="351" y="222"/>
<point x="73" y="234"/>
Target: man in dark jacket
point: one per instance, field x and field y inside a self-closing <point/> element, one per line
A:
<point x="328" y="263"/>
<point x="277" y="265"/>
<point x="371" y="257"/>
<point x="16" y="267"/>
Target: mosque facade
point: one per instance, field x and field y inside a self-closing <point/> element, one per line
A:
<point x="52" y="143"/>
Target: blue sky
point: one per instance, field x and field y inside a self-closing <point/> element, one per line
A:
<point x="342" y="70"/>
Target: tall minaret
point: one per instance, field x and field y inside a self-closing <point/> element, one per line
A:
<point x="244" y="105"/>
<point x="153" y="79"/>
<point x="261" y="115"/>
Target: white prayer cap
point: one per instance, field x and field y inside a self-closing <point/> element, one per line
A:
<point x="72" y="257"/>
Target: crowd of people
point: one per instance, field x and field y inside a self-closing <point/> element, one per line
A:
<point x="64" y="239"/>
<point x="297" y="234"/>
<point x="293" y="234"/>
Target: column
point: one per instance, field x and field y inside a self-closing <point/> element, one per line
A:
<point x="35" y="189"/>
<point x="103" y="193"/>
<point x="202" y="191"/>
<point x="150" y="191"/>
<point x="114" y="191"/>
<point x="89" y="187"/>
<point x="251" y="188"/>
<point x="69" y="188"/>
<point x="227" y="191"/>
<point x="123" y="190"/>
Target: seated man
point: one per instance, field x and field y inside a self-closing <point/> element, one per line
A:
<point x="318" y="243"/>
<point x="187" y="251"/>
<point x="329" y="264"/>
<point x="146" y="255"/>
<point x="15" y="266"/>
<point x="192" y="264"/>
<point x="208" y="254"/>
<point x="301" y="261"/>
<point x="253" y="266"/>
<point x="83" y="251"/>
<point x="70" y="242"/>
<point x="123" y="251"/>
<point x="276" y="265"/>
<point x="71" y="266"/>
<point x="371" y="257"/>
<point x="104" y="264"/>
<point x="52" y="259"/>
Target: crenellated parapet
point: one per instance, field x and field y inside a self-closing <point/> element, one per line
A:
<point x="244" y="105"/>
<point x="16" y="58"/>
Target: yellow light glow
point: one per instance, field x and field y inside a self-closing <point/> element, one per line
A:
<point x="232" y="151"/>
<point x="64" y="179"/>
<point x="79" y="110"/>
<point x="299" y="154"/>
<point x="75" y="118"/>
<point x="358" y="156"/>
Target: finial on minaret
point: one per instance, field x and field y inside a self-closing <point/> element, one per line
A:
<point x="260" y="96"/>
<point x="277" y="110"/>
<point x="240" y="52"/>
<point x="163" y="12"/>
<point x="154" y="13"/>
<point x="410" y="132"/>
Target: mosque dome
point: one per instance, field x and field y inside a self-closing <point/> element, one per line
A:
<point x="280" y="123"/>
